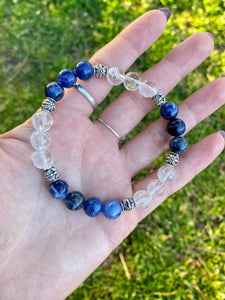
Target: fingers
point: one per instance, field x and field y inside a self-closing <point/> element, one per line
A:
<point x="150" y="143"/>
<point x="128" y="109"/>
<point x="196" y="159"/>
<point x="121" y="52"/>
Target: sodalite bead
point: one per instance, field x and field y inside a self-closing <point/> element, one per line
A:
<point x="169" y="110"/>
<point x="112" y="209"/>
<point x="54" y="90"/>
<point x="74" y="200"/>
<point x="93" y="207"/>
<point x="178" y="145"/>
<point x="59" y="189"/>
<point x="67" y="78"/>
<point x="84" y="70"/>
<point x="42" y="121"/>
<point x="176" y="127"/>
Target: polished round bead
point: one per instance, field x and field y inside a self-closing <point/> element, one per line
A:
<point x="148" y="89"/>
<point x="42" y="159"/>
<point x="169" y="110"/>
<point x="93" y="207"/>
<point x="142" y="199"/>
<point x="178" y="145"/>
<point x="84" y="70"/>
<point x="176" y="127"/>
<point x="115" y="76"/>
<point x="74" y="200"/>
<point x="59" y="189"/>
<point x="131" y="81"/>
<point x="42" y="121"/>
<point x="112" y="209"/>
<point x="156" y="188"/>
<point x="67" y="78"/>
<point x="167" y="174"/>
<point x="54" y="90"/>
<point x="40" y="140"/>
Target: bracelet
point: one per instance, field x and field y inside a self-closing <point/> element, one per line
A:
<point x="43" y="159"/>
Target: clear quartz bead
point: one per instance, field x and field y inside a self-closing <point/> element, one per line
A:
<point x="42" y="159"/>
<point x="142" y="199"/>
<point x="40" y="140"/>
<point x="148" y="89"/>
<point x="115" y="76"/>
<point x="42" y="121"/>
<point x="156" y="188"/>
<point x="167" y="174"/>
<point x="132" y="81"/>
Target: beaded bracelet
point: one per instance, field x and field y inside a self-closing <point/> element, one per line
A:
<point x="43" y="158"/>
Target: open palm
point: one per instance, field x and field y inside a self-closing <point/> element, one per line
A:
<point x="46" y="251"/>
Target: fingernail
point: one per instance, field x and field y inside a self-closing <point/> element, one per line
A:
<point x="211" y="35"/>
<point x="222" y="133"/>
<point x="166" y="12"/>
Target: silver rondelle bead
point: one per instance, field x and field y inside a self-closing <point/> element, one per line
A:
<point x="172" y="159"/>
<point x="159" y="100"/>
<point x="48" y="105"/>
<point x="51" y="174"/>
<point x="128" y="204"/>
<point x="100" y="71"/>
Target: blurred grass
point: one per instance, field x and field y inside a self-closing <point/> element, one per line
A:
<point x="178" y="252"/>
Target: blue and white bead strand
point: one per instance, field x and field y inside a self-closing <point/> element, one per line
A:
<point x="43" y="159"/>
<point x="176" y="127"/>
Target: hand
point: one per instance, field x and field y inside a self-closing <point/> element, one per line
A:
<point x="46" y="251"/>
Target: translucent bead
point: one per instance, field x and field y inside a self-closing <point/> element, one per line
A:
<point x="132" y="81"/>
<point x="148" y="89"/>
<point x="115" y="76"/>
<point x="156" y="188"/>
<point x="167" y="174"/>
<point x="142" y="199"/>
<point x="42" y="159"/>
<point x="40" y="140"/>
<point x="42" y="121"/>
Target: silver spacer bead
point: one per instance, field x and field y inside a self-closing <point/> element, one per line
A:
<point x="172" y="159"/>
<point x="51" y="174"/>
<point x="159" y="100"/>
<point x="128" y="204"/>
<point x="48" y="105"/>
<point x="100" y="71"/>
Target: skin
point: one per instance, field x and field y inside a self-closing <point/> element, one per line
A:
<point x="46" y="251"/>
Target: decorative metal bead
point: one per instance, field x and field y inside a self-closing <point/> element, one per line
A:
<point x="128" y="204"/>
<point x="172" y="159"/>
<point x="48" y="105"/>
<point x="159" y="100"/>
<point x="100" y="71"/>
<point x="51" y="174"/>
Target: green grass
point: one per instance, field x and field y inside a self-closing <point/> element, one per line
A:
<point x="178" y="252"/>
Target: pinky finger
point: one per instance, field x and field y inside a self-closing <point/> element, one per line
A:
<point x="196" y="159"/>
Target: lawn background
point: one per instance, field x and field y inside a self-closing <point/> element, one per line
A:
<point x="178" y="252"/>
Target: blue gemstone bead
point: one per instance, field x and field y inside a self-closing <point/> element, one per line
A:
<point x="54" y="90"/>
<point x="67" y="78"/>
<point x="84" y="70"/>
<point x="74" y="200"/>
<point x="178" y="145"/>
<point x="176" y="127"/>
<point x="93" y="207"/>
<point x="59" y="189"/>
<point x="112" y="209"/>
<point x="169" y="111"/>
